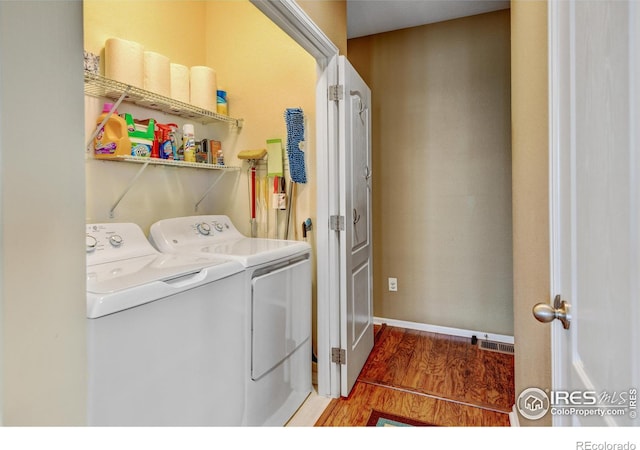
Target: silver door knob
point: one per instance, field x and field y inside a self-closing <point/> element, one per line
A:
<point x="560" y="310"/>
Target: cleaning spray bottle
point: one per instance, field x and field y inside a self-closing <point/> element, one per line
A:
<point x="166" y="140"/>
<point x="189" y="140"/>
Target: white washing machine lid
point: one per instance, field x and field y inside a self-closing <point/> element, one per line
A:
<point x="124" y="270"/>
<point x="252" y="251"/>
<point x="216" y="235"/>
<point x="119" y="285"/>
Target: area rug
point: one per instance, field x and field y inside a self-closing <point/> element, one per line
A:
<point x="383" y="419"/>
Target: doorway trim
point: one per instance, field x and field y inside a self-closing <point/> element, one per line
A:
<point x="294" y="21"/>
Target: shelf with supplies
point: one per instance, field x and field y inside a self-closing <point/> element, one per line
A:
<point x="99" y="86"/>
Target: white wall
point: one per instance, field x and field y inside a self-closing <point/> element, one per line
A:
<point x="42" y="211"/>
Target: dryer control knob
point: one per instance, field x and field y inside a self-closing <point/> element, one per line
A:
<point x="203" y="228"/>
<point x="218" y="226"/>
<point x="115" y="240"/>
<point x="91" y="243"/>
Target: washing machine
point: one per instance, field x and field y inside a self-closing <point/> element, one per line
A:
<point x="163" y="334"/>
<point x="278" y="305"/>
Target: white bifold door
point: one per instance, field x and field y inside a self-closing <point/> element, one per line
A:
<point x="356" y="273"/>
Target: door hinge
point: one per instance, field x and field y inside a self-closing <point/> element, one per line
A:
<point x="338" y="355"/>
<point x="336" y="223"/>
<point x="336" y="92"/>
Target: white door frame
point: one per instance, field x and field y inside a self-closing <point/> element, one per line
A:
<point x="288" y="15"/>
<point x="555" y="93"/>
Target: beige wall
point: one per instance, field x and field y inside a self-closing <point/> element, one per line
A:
<point x="530" y="194"/>
<point x="442" y="171"/>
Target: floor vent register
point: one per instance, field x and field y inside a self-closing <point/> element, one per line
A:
<point x="499" y="347"/>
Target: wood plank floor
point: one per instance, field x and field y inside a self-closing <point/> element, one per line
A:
<point x="434" y="378"/>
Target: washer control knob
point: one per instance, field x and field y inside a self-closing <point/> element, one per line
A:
<point x="218" y="226"/>
<point x="91" y="243"/>
<point x="115" y="240"/>
<point x="204" y="228"/>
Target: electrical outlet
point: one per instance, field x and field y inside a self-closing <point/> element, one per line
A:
<point x="393" y="284"/>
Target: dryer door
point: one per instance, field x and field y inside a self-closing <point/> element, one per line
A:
<point x="281" y="315"/>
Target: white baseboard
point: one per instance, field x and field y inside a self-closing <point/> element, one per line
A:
<point x="445" y="330"/>
<point x="514" y="420"/>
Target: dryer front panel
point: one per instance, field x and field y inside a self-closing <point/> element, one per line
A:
<point x="281" y="314"/>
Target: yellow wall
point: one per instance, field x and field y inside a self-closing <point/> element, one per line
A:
<point x="263" y="71"/>
<point x="530" y="194"/>
<point x="261" y="68"/>
<point x="442" y="171"/>
<point x="331" y="17"/>
<point x="172" y="28"/>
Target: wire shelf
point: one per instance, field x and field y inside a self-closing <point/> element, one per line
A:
<point x="99" y="86"/>
<point x="170" y="162"/>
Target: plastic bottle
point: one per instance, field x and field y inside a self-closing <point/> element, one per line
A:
<point x="112" y="140"/>
<point x="217" y="157"/>
<point x="174" y="142"/>
<point x="166" y="140"/>
<point x="189" y="139"/>
<point x="222" y="106"/>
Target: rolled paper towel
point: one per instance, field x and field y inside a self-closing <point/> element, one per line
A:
<point x="124" y="61"/>
<point x="180" y="82"/>
<point x="203" y="87"/>
<point x="157" y="73"/>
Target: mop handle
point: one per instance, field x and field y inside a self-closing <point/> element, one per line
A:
<point x="253" y="192"/>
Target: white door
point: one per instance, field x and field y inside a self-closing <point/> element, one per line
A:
<point x="595" y="129"/>
<point x="356" y="300"/>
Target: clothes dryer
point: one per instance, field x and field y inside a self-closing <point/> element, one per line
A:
<point x="164" y="333"/>
<point x="277" y="292"/>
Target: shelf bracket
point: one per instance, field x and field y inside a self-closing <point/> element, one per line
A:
<point x="127" y="189"/>
<point x="210" y="189"/>
<point x="107" y="117"/>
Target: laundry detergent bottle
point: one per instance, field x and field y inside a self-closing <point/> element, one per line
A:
<point x="112" y="139"/>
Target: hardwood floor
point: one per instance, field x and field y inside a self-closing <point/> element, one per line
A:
<point x="439" y="379"/>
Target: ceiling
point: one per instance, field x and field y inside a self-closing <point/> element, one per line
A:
<point x="365" y="17"/>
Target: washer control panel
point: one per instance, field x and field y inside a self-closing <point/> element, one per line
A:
<point x="169" y="234"/>
<point x="107" y="242"/>
<point x="204" y="228"/>
<point x="208" y="228"/>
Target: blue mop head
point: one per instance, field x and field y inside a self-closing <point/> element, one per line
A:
<point x="294" y="118"/>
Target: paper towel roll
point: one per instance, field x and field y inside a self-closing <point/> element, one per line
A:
<point x="180" y="82"/>
<point x="124" y="61"/>
<point x="157" y="73"/>
<point x="203" y="87"/>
